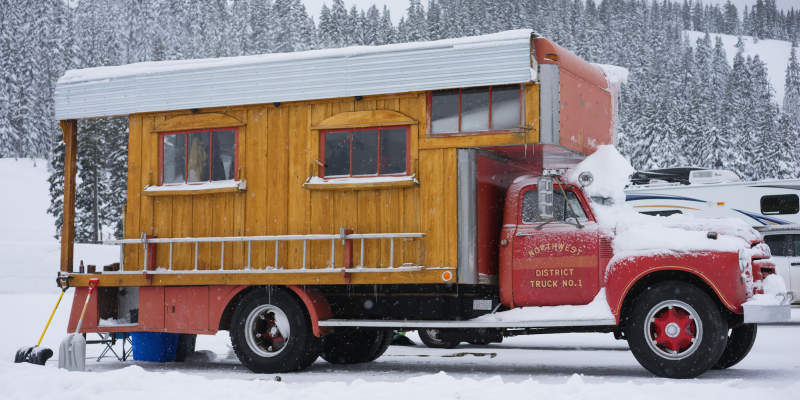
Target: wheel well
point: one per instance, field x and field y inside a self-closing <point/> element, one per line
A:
<point x="660" y="276"/>
<point x="227" y="314"/>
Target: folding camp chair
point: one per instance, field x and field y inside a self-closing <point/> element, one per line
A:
<point x="110" y="340"/>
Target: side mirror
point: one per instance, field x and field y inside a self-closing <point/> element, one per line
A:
<point x="545" y="191"/>
<point x="585" y="178"/>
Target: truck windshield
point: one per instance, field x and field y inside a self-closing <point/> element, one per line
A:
<point x="562" y="208"/>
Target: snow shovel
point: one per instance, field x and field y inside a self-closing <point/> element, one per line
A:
<point x="72" y="352"/>
<point x="35" y="354"/>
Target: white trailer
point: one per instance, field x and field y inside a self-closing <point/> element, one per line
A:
<point x="715" y="193"/>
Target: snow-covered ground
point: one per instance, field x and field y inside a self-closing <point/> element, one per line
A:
<point x="28" y="249"/>
<point x="559" y="366"/>
<point x="775" y="53"/>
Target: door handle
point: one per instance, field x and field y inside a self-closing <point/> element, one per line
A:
<point x="796" y="264"/>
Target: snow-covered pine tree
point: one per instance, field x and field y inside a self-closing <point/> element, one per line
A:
<point x="372" y="26"/>
<point x="765" y="114"/>
<point x="702" y="100"/>
<point x="240" y="30"/>
<point x="413" y="28"/>
<point x="326" y="31"/>
<point x="56" y="182"/>
<point x="115" y="169"/>
<point x="791" y="95"/>
<point x="387" y="32"/>
<point x="721" y="145"/>
<point x="260" y="15"/>
<point x="336" y="31"/>
<point x="433" y="22"/>
<point x="730" y="19"/>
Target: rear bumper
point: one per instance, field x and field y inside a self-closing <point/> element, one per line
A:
<point x="760" y="313"/>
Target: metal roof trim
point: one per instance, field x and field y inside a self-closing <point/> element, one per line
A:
<point x="500" y="58"/>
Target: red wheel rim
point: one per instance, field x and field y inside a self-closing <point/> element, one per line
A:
<point x="673" y="329"/>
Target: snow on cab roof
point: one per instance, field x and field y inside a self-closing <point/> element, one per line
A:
<point x="495" y="59"/>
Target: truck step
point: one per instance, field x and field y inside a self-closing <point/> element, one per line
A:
<point x="371" y="323"/>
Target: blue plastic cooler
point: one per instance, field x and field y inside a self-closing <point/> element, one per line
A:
<point x="154" y="346"/>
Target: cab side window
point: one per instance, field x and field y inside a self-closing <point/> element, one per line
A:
<point x="562" y="208"/>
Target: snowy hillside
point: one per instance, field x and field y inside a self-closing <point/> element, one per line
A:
<point x="775" y="53"/>
<point x="28" y="249"/>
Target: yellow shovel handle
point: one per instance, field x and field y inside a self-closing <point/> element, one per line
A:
<point x="51" y="318"/>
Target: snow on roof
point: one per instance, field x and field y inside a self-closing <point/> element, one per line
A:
<point x="615" y="74"/>
<point x="500" y="58"/>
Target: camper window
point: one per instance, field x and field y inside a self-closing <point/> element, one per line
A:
<point x="476" y="110"/>
<point x="780" y="204"/>
<point x="365" y="151"/>
<point x="779" y="245"/>
<point x="198" y="156"/>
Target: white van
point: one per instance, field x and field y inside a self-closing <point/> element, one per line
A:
<point x="784" y="242"/>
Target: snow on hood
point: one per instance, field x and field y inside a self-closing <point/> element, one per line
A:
<point x="642" y="234"/>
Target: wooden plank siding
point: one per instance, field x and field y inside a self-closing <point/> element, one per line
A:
<point x="279" y="149"/>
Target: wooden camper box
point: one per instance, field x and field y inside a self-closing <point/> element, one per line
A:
<point x="449" y="200"/>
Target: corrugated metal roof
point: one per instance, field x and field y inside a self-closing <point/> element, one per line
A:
<point x="495" y="59"/>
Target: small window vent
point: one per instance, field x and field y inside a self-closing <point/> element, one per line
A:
<point x="606" y="251"/>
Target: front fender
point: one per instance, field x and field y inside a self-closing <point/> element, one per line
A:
<point x="719" y="270"/>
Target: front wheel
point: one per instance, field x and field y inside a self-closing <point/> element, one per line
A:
<point x="676" y="330"/>
<point x="740" y="342"/>
<point x="270" y="332"/>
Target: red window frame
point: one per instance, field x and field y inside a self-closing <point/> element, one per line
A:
<point x="351" y="130"/>
<point x="162" y="135"/>
<point x="490" y="130"/>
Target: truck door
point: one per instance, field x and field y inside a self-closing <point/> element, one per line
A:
<point x="555" y="261"/>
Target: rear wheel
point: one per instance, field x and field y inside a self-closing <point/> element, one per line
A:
<point x="740" y="342"/>
<point x="676" y="330"/>
<point x="270" y="332"/>
<point x="437" y="338"/>
<point x="357" y="345"/>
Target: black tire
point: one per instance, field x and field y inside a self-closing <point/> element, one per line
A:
<point x="437" y="338"/>
<point x="355" y="345"/>
<point x="186" y="346"/>
<point x="676" y="330"/>
<point x="258" y="334"/>
<point x="740" y="342"/>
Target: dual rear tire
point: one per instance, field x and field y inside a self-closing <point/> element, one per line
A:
<point x="271" y="332"/>
<point x="355" y="345"/>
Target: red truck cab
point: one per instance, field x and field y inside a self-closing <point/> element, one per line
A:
<point x="672" y="306"/>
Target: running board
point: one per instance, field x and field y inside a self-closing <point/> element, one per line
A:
<point x="372" y="323"/>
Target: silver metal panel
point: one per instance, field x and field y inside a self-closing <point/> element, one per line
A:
<point x="501" y="58"/>
<point x="767" y="313"/>
<point x="549" y="103"/>
<point x="465" y="324"/>
<point x="467" y="217"/>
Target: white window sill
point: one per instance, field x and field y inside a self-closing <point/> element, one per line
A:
<point x="360" y="183"/>
<point x="196" y="188"/>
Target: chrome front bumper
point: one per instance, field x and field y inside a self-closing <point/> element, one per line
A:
<point x="759" y="313"/>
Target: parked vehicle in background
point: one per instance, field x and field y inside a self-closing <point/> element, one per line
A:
<point x="784" y="243"/>
<point x="715" y="193"/>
